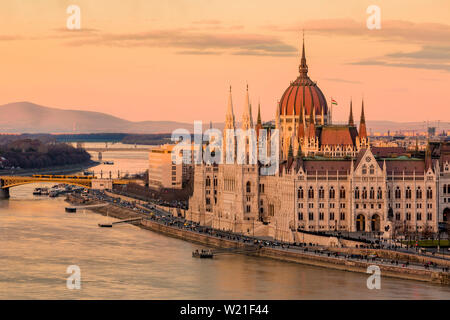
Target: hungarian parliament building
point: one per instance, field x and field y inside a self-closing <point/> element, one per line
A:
<point x="329" y="177"/>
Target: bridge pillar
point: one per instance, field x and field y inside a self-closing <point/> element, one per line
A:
<point x="4" y="193"/>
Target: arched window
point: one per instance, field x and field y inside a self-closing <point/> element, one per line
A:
<point x="332" y="193"/>
<point x="248" y="188"/>
<point x="342" y="193"/>
<point x="356" y="193"/>
<point x="372" y="169"/>
<point x="364" y="169"/>
<point x="419" y="193"/>
<point x="429" y="193"/>
<point x="321" y="193"/>
<point x="300" y="193"/>
<point x="444" y="188"/>
<point x="208" y="181"/>
<point x="379" y="193"/>
<point x="372" y="193"/>
<point x="398" y="193"/>
<point x="364" y="193"/>
<point x="311" y="193"/>
<point x="408" y="193"/>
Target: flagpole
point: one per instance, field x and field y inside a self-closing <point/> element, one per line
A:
<point x="331" y="111"/>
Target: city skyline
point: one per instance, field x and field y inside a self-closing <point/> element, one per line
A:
<point x="133" y="59"/>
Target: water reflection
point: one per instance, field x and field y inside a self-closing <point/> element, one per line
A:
<point x="39" y="241"/>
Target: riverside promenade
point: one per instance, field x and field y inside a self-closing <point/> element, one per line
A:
<point x="404" y="267"/>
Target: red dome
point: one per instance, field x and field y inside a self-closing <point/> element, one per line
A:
<point x="303" y="92"/>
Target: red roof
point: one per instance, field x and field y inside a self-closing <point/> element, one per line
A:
<point x="338" y="135"/>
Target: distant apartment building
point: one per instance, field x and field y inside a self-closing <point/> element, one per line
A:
<point x="164" y="172"/>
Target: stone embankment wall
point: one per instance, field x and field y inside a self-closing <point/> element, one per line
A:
<point x="280" y="254"/>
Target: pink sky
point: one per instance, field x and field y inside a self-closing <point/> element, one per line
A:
<point x="174" y="60"/>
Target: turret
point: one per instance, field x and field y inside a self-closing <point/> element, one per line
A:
<point x="351" y="123"/>
<point x="362" y="124"/>
<point x="258" y="121"/>
<point x="303" y="68"/>
<point x="247" y="121"/>
<point x="229" y="118"/>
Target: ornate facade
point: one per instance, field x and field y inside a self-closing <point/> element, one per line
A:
<point x="329" y="177"/>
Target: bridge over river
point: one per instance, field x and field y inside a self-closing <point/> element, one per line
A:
<point x="88" y="182"/>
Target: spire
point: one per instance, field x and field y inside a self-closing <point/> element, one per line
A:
<point x="258" y="122"/>
<point x="350" y="118"/>
<point x="303" y="68"/>
<point x="229" y="118"/>
<point x="259" y="113"/>
<point x="301" y="124"/>
<point x="247" y="121"/>
<point x="299" y="151"/>
<point x="291" y="151"/>
<point x="362" y="123"/>
<point x="312" y="127"/>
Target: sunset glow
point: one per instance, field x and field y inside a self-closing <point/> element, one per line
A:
<point x="173" y="60"/>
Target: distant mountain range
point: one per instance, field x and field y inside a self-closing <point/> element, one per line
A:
<point x="27" y="117"/>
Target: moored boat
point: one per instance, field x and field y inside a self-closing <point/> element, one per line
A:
<point x="203" y="254"/>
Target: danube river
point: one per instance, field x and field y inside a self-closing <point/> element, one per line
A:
<point x="39" y="241"/>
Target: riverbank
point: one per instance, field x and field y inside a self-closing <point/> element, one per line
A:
<point x="67" y="169"/>
<point x="337" y="262"/>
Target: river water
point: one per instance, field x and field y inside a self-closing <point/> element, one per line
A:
<point x="39" y="241"/>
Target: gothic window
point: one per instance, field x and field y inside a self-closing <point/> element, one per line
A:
<point x="419" y="193"/>
<point x="300" y="193"/>
<point x="408" y="193"/>
<point x="398" y="193"/>
<point x="320" y="215"/>
<point x="397" y="216"/>
<point x="321" y="193"/>
<point x="429" y="193"/>
<point x="300" y="216"/>
<point x="248" y="187"/>
<point x="419" y="216"/>
<point x="408" y="216"/>
<point x="208" y="181"/>
<point x="331" y="215"/>
<point x="444" y="189"/>
<point x="379" y="193"/>
<point x="311" y="193"/>
<point x="342" y="193"/>
<point x="372" y="169"/>
<point x="429" y="216"/>
<point x="356" y="193"/>
<point x="372" y="193"/>
<point x="311" y="216"/>
<point x="342" y="216"/>
<point x="364" y="193"/>
<point x="332" y="193"/>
